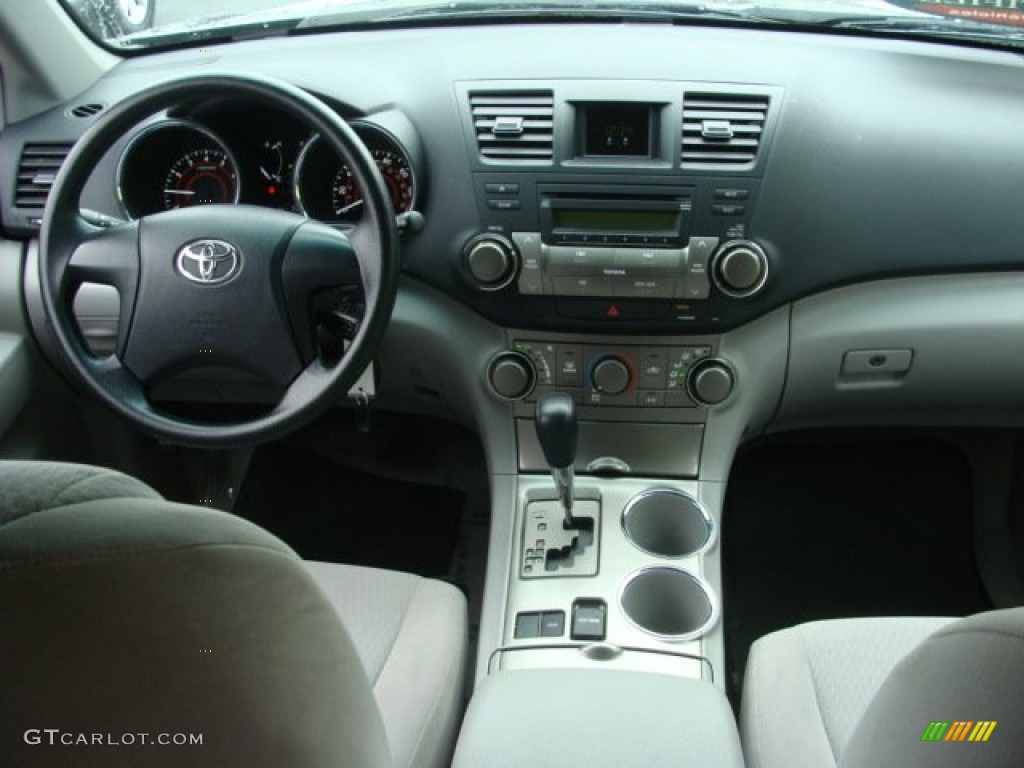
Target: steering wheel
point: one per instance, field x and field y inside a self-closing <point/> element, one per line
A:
<point x="228" y="285"/>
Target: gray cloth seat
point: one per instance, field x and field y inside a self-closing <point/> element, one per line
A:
<point x="127" y="615"/>
<point x="855" y="693"/>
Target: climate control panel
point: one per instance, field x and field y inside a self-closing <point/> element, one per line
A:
<point x="643" y="376"/>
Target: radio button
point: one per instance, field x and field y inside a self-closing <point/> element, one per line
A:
<point x="662" y="260"/>
<point x="643" y="287"/>
<point x="582" y="286"/>
<point x="696" y="285"/>
<point x="504" y="204"/>
<point x="732" y="194"/>
<point x="577" y="260"/>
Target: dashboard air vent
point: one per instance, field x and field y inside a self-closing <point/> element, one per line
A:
<point x="36" y="173"/>
<point x="722" y="129"/>
<point x="514" y="126"/>
<point x="86" y="110"/>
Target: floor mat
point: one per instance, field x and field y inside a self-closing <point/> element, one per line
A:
<point x="325" y="511"/>
<point x="816" y="530"/>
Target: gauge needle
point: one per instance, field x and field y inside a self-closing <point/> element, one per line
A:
<point x="188" y="192"/>
<point x="350" y="206"/>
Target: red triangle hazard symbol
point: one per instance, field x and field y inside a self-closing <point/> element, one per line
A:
<point x="613" y="312"/>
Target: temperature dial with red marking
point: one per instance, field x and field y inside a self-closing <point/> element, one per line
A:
<point x="201" y="177"/>
<point x="611" y="375"/>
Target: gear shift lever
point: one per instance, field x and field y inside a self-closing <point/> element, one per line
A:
<point x="556" y="431"/>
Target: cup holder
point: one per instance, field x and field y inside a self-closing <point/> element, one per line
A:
<point x="669" y="603"/>
<point x="668" y="523"/>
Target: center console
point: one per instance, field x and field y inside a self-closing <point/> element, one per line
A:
<point x="617" y="250"/>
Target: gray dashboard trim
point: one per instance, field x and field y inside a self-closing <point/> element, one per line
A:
<point x="966" y="333"/>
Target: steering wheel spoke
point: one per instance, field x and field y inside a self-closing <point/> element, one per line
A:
<point x="110" y="257"/>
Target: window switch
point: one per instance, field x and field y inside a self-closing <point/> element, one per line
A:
<point x="527" y="625"/>
<point x="552" y="624"/>
<point x="588" y="619"/>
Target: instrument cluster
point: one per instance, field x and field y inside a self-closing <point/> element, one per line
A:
<point x="253" y="156"/>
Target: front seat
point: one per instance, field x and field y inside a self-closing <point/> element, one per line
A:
<point x="129" y="621"/>
<point x="877" y="692"/>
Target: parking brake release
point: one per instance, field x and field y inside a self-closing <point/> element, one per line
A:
<point x="555" y="421"/>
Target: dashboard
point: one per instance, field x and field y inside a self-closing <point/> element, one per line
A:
<point x="628" y="208"/>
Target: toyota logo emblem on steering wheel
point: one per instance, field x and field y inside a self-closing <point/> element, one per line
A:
<point x="209" y="262"/>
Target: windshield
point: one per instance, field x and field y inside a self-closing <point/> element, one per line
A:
<point x="137" y="25"/>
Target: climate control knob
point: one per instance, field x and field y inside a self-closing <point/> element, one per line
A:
<point x="711" y="382"/>
<point x="491" y="261"/>
<point x="512" y="375"/>
<point x="611" y="376"/>
<point x="740" y="268"/>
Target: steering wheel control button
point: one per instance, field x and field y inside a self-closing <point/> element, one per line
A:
<point x="589" y="618"/>
<point x="512" y="375"/>
<point x="711" y="382"/>
<point x="209" y="262"/>
<point x="491" y="261"/>
<point x="740" y="268"/>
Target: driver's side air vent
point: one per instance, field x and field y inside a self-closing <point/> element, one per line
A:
<point x="722" y="129"/>
<point x="36" y="173"/>
<point x="513" y="126"/>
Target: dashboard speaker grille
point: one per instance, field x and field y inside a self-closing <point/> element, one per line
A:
<point x="37" y="171"/>
<point x="722" y="129"/>
<point x="513" y="126"/>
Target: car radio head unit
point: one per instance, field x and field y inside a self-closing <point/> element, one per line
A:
<point x="584" y="215"/>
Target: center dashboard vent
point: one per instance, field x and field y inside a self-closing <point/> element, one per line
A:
<point x="513" y="126"/>
<point x="37" y="171"/>
<point x="722" y="129"/>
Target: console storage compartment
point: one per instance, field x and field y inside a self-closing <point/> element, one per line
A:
<point x="551" y="718"/>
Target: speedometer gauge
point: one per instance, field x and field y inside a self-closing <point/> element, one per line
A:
<point x="200" y="177"/>
<point x="326" y="188"/>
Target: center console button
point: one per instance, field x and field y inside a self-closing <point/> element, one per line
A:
<point x="651" y="260"/>
<point x="578" y="259"/>
<point x="651" y="372"/>
<point x="588" y="619"/>
<point x="582" y="286"/>
<point x="569" y="364"/>
<point x="635" y="287"/>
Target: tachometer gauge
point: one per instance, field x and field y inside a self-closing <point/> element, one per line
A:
<point x="201" y="177"/>
<point x="175" y="164"/>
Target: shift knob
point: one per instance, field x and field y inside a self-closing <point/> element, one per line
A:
<point x="555" y="421"/>
<point x="556" y="429"/>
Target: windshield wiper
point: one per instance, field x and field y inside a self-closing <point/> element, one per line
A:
<point x="481" y="9"/>
<point x="951" y="27"/>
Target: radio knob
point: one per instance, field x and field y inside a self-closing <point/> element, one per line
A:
<point x="740" y="268"/>
<point x="611" y="376"/>
<point x="512" y="375"/>
<point x="711" y="382"/>
<point x="491" y="261"/>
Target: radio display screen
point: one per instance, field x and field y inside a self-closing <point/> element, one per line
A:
<point x="614" y="221"/>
